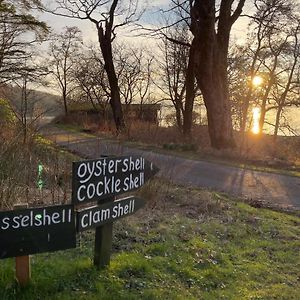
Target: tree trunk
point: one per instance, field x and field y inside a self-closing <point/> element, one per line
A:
<point x="277" y="122"/>
<point x="25" y="109"/>
<point x="64" y="96"/>
<point x="178" y="118"/>
<point x="115" y="101"/>
<point x="210" y="66"/>
<point x="189" y="96"/>
<point x="218" y="117"/>
<point x="245" y="108"/>
<point x="262" y="117"/>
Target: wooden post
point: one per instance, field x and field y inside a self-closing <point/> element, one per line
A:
<point x="23" y="270"/>
<point x="103" y="242"/>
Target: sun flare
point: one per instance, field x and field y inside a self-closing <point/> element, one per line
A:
<point x="256" y="116"/>
<point x="257" y="80"/>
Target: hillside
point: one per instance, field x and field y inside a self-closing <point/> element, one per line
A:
<point x="37" y="101"/>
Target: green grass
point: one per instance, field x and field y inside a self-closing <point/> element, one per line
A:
<point x="192" y="245"/>
<point x="75" y="129"/>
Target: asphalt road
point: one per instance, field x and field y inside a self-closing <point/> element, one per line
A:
<point x="275" y="189"/>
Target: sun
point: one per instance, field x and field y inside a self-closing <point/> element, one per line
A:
<point x="257" y="80"/>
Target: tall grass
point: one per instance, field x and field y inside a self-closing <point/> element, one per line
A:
<point x="19" y="163"/>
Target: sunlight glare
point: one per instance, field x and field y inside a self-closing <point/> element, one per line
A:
<point x="257" y="80"/>
<point x="256" y="116"/>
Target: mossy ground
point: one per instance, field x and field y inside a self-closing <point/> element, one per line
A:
<point x="186" y="244"/>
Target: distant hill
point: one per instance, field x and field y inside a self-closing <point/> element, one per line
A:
<point x="37" y="101"/>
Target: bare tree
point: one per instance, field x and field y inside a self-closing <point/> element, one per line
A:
<point x="270" y="53"/>
<point x="91" y="80"/>
<point x="134" y="71"/>
<point x="211" y="26"/>
<point x="174" y="64"/>
<point x="238" y="78"/>
<point x="287" y="93"/>
<point x="265" y="46"/>
<point x="15" y="22"/>
<point x="63" y="51"/>
<point x="104" y="14"/>
<point x="177" y="82"/>
<point x="210" y="23"/>
<point x="30" y="78"/>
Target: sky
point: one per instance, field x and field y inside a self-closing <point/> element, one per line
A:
<point x="151" y="18"/>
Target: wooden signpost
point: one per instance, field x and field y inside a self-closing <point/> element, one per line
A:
<point x="36" y="230"/>
<point x="100" y="180"/>
<point x="23" y="266"/>
<point x="94" y="180"/>
<point x="111" y="211"/>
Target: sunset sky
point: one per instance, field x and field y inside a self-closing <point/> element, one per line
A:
<point x="153" y="17"/>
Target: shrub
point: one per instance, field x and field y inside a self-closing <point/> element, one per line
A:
<point x="7" y="116"/>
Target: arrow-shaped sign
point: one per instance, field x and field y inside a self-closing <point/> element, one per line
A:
<point x="37" y="230"/>
<point x="98" y="215"/>
<point x="94" y="180"/>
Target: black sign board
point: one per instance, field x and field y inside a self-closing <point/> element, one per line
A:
<point x="37" y="230"/>
<point x="98" y="215"/>
<point x="94" y="180"/>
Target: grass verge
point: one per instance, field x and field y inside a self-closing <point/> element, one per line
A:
<point x="186" y="244"/>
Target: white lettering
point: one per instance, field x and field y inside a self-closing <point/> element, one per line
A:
<point x="111" y="164"/>
<point x="91" y="191"/>
<point x="115" y="212"/>
<point x="31" y="218"/>
<point x="126" y="185"/>
<point x="55" y="218"/>
<point x="126" y="209"/>
<point x="117" y="186"/>
<point x="38" y="220"/>
<point x="104" y="163"/>
<point x="46" y="218"/>
<point x="5" y="221"/>
<point x="105" y="214"/>
<point x="79" y="198"/>
<point x="120" y="210"/>
<point x="63" y="215"/>
<point x="99" y="191"/>
<point x="117" y="164"/>
<point x="131" y="168"/>
<point x="70" y="216"/>
<point x="98" y="167"/>
<point x="96" y="217"/>
<point x="91" y="169"/>
<point x="81" y="173"/>
<point x="83" y="225"/>
<point x="17" y="225"/>
<point x="125" y="165"/>
<point x="106" y="185"/>
<point x="137" y="164"/>
<point x="25" y="221"/>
